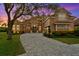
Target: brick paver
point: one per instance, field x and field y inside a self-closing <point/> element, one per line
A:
<point x="35" y="44"/>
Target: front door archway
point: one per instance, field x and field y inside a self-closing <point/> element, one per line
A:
<point x="34" y="29"/>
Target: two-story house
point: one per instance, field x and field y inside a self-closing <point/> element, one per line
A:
<point x="61" y="20"/>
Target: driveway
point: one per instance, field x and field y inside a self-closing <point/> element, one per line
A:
<point x="35" y="44"/>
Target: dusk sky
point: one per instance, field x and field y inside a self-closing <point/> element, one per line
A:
<point x="71" y="7"/>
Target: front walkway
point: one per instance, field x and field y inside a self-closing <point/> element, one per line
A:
<point x="35" y="44"/>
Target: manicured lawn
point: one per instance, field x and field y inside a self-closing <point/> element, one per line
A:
<point x="68" y="40"/>
<point x="10" y="47"/>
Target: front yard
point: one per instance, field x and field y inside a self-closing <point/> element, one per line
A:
<point x="66" y="37"/>
<point x="10" y="47"/>
<point x="68" y="40"/>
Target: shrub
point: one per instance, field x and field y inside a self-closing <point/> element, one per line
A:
<point x="45" y="34"/>
<point x="76" y="32"/>
<point x="56" y="34"/>
<point x="2" y="29"/>
<point x="48" y="35"/>
<point x="59" y="33"/>
<point x="63" y="34"/>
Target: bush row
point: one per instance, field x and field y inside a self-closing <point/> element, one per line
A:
<point x="63" y="34"/>
<point x="2" y="29"/>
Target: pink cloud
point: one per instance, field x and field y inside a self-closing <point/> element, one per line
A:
<point x="71" y="7"/>
<point x="4" y="18"/>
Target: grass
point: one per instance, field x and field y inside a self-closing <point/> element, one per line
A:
<point x="10" y="47"/>
<point x="68" y="40"/>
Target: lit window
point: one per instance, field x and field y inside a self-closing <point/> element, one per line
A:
<point x="13" y="27"/>
<point x="18" y="27"/>
<point x="62" y="27"/>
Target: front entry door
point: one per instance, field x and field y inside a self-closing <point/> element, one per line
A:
<point x="34" y="29"/>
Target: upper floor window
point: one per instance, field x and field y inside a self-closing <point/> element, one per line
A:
<point x="62" y="17"/>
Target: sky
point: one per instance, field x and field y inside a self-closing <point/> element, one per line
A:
<point x="71" y="7"/>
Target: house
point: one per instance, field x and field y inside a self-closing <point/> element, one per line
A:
<point x="61" y="20"/>
<point x="76" y="22"/>
<point x="31" y="25"/>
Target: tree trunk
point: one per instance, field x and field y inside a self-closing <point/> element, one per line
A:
<point x="9" y="31"/>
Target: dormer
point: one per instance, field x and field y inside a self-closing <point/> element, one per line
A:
<point x="62" y="14"/>
<point x="62" y="17"/>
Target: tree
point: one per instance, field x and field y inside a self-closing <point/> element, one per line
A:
<point x="14" y="11"/>
<point x="53" y="6"/>
<point x="43" y="17"/>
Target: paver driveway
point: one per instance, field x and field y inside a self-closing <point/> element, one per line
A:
<point x="35" y="44"/>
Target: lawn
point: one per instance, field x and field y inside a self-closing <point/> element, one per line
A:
<point x="10" y="47"/>
<point x="68" y="40"/>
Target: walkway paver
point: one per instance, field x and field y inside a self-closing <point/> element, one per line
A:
<point x="35" y="44"/>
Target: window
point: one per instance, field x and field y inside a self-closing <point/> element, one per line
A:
<point x="62" y="16"/>
<point x="18" y="27"/>
<point x="62" y="27"/>
<point x="13" y="27"/>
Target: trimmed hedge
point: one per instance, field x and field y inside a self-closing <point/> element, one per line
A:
<point x="62" y="34"/>
<point x="76" y="32"/>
